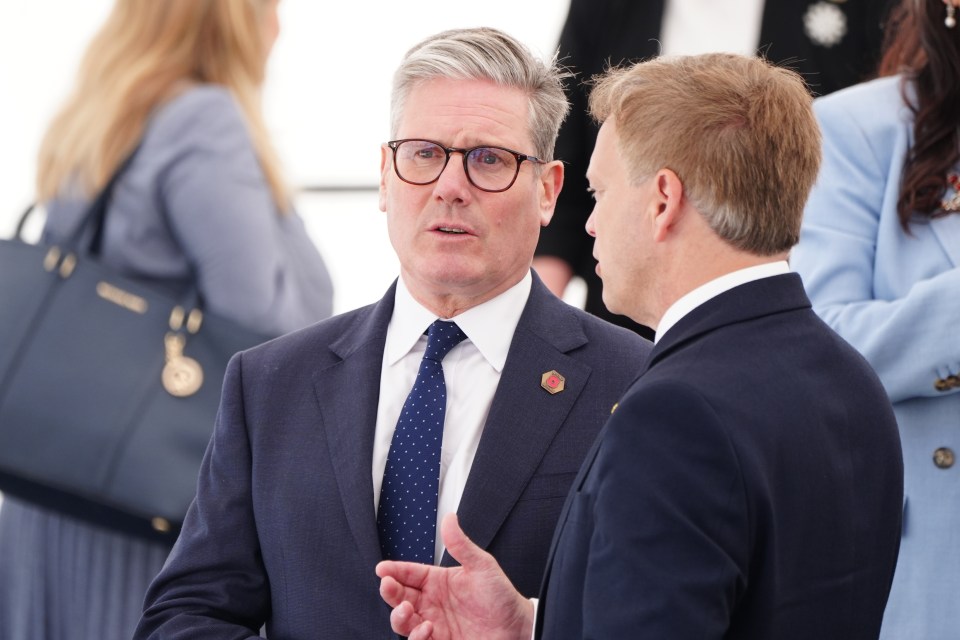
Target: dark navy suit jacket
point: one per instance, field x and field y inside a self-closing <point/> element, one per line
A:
<point x="283" y="530"/>
<point x="748" y="485"/>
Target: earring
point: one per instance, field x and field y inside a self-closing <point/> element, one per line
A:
<point x="950" y="21"/>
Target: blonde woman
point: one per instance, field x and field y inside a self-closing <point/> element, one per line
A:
<point x="178" y="81"/>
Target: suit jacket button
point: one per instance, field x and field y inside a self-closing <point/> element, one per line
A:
<point x="943" y="457"/>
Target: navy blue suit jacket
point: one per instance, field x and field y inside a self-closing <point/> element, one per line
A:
<point x="748" y="485"/>
<point x="283" y="530"/>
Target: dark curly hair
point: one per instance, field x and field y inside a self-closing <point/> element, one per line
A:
<point x="927" y="53"/>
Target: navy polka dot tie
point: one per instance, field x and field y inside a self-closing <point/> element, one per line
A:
<point x="407" y="516"/>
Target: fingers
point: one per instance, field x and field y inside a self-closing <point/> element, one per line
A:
<point x="409" y="574"/>
<point x="423" y="632"/>
<point x="392" y="592"/>
<point x="404" y="621"/>
<point x="461" y="548"/>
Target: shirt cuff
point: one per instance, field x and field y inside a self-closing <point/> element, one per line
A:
<point x="536" y="603"/>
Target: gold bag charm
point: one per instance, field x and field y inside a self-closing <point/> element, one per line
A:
<point x="182" y="376"/>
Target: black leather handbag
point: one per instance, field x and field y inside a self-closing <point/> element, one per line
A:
<point x="109" y="386"/>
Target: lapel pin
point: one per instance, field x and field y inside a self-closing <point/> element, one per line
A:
<point x="614" y="407"/>
<point x="552" y="381"/>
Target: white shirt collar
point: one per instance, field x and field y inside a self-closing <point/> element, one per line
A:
<point x="489" y="326"/>
<point x="715" y="287"/>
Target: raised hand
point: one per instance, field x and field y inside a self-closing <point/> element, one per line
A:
<point x="474" y="600"/>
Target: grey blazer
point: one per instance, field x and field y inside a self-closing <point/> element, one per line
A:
<point x="195" y="199"/>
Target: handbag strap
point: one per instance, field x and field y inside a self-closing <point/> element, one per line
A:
<point x="22" y="222"/>
<point x="96" y="213"/>
<point x="95" y="216"/>
<point x="94" y="219"/>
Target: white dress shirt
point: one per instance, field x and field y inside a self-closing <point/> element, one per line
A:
<point x="703" y="26"/>
<point x="471" y="371"/>
<point x="715" y="287"/>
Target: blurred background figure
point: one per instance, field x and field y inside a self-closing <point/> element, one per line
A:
<point x="832" y="43"/>
<point x="203" y="199"/>
<point x="880" y="257"/>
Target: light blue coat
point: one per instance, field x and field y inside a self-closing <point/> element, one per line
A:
<point x="896" y="298"/>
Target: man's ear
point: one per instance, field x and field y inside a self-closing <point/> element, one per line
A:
<point x="669" y="201"/>
<point x="550" y="184"/>
<point x="385" y="161"/>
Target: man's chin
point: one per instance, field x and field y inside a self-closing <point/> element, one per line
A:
<point x="611" y="304"/>
<point x="617" y="305"/>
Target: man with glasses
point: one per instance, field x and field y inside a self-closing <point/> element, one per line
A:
<point x="467" y="389"/>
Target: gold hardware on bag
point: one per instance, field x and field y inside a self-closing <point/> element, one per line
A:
<point x="176" y="318"/>
<point x="125" y="299"/>
<point x="51" y="259"/>
<point x="182" y="376"/>
<point x="194" y="320"/>
<point x="67" y="266"/>
<point x="160" y="524"/>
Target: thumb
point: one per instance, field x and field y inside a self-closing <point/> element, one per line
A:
<point x="460" y="547"/>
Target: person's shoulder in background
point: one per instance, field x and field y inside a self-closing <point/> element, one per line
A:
<point x="866" y="97"/>
<point x="200" y="116"/>
<point x="870" y="115"/>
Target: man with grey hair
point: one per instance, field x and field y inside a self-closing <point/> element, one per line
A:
<point x="468" y="388"/>
<point x="750" y="483"/>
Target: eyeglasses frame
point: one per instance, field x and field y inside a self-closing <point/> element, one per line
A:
<point x="465" y="152"/>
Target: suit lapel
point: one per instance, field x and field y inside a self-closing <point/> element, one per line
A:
<point x="348" y="393"/>
<point x="524" y="418"/>
<point x="574" y="488"/>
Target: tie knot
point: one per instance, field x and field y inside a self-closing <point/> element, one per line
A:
<point x="441" y="337"/>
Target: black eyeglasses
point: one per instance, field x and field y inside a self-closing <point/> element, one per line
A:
<point x="492" y="169"/>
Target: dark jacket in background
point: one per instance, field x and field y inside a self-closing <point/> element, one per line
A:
<point x="598" y="32"/>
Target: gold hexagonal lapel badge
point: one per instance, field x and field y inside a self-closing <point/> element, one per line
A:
<point x="552" y="382"/>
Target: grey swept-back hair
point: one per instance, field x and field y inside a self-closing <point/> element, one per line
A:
<point x="487" y="54"/>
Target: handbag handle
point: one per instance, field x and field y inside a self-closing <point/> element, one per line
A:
<point x="96" y="214"/>
<point x="93" y="221"/>
<point x="22" y="222"/>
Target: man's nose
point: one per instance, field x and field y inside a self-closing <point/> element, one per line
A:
<point x="590" y="226"/>
<point x="453" y="181"/>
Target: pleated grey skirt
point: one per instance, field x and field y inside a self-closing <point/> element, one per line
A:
<point x="65" y="579"/>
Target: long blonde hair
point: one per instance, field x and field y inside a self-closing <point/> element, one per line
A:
<point x="144" y="53"/>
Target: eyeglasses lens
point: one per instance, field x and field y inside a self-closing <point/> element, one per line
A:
<point x="422" y="162"/>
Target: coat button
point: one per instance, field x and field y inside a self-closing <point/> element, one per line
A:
<point x="943" y="457"/>
<point x="948" y="383"/>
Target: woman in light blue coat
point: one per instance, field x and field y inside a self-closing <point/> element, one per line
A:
<point x="880" y="256"/>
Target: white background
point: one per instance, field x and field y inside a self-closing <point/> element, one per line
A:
<point x="326" y="103"/>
